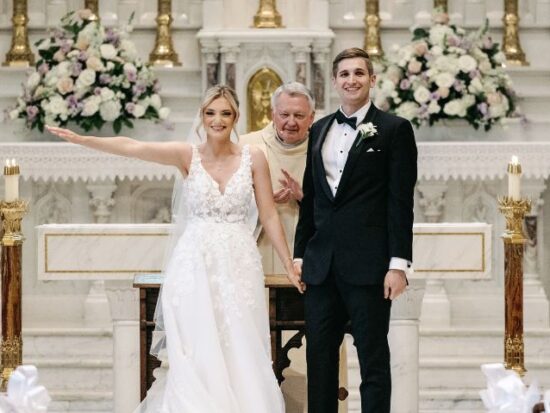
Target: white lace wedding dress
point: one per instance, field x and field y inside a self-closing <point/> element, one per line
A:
<point x="214" y="310"/>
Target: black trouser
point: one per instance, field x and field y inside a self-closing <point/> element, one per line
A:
<point x="328" y="308"/>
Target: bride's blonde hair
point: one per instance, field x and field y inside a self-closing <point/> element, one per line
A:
<point x="220" y="91"/>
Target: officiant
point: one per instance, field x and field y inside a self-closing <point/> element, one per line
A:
<point x="284" y="143"/>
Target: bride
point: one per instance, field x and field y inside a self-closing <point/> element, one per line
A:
<point x="213" y="303"/>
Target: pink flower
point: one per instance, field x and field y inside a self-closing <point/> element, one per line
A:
<point x="494" y="99"/>
<point x="441" y="18"/>
<point x="443" y="92"/>
<point x="414" y="66"/>
<point x="59" y="56"/>
<point x="420" y="48"/>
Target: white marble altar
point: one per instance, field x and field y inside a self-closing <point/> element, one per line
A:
<point x="67" y="333"/>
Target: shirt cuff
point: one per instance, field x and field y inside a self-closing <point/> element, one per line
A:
<point x="298" y="261"/>
<point x="399" y="264"/>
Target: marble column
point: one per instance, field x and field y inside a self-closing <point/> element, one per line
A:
<point x="96" y="309"/>
<point x="230" y="54"/>
<point x="536" y="305"/>
<point x="124" y="305"/>
<point x="210" y="50"/>
<point x="321" y="75"/>
<point x="404" y="347"/>
<point x="436" y="307"/>
<point x="301" y="52"/>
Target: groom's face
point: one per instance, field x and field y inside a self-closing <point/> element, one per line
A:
<point x="352" y="82"/>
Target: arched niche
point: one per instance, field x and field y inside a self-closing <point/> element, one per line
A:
<point x="259" y="90"/>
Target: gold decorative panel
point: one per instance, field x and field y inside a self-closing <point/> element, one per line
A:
<point x="260" y="88"/>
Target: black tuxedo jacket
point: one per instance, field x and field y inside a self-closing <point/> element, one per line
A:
<point x="369" y="220"/>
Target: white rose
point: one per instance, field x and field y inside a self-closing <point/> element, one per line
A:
<point x="110" y="66"/>
<point x="91" y="106"/>
<point x="108" y="51"/>
<point x="408" y="110"/>
<point x="446" y="64"/>
<point x="499" y="57"/>
<point x="63" y="69"/>
<point x="436" y="50"/>
<point x="139" y="111"/>
<point x="475" y="86"/>
<point x="14" y="114"/>
<point x="485" y="66"/>
<point x="164" y="113"/>
<point x="445" y="80"/>
<point x="128" y="50"/>
<point x="421" y="94"/>
<point x="387" y="86"/>
<point x="453" y="108"/>
<point x="65" y="85"/>
<point x="106" y="94"/>
<point x="86" y="77"/>
<point x="129" y="68"/>
<point x="438" y="34"/>
<point x="434" y="107"/>
<point x="57" y="105"/>
<point x="110" y="110"/>
<point x="33" y="80"/>
<point x="155" y="101"/>
<point x="467" y="63"/>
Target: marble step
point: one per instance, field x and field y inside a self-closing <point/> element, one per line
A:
<point x="69" y="343"/>
<point x="81" y="401"/>
<point x="452" y="400"/>
<point x="488" y="343"/>
<point x="465" y="372"/>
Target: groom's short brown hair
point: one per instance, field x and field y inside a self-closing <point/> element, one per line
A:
<point x="351" y="53"/>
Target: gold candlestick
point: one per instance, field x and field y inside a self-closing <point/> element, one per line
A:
<point x="164" y="54"/>
<point x="11" y="214"/>
<point x="93" y="6"/>
<point x="267" y="16"/>
<point x="510" y="44"/>
<point x="373" y="44"/>
<point x="514" y="211"/>
<point x="20" y="53"/>
<point x="441" y="5"/>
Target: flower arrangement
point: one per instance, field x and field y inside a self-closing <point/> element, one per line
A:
<point x="447" y="74"/>
<point x="89" y="75"/>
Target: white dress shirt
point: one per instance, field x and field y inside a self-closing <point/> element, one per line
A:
<point x="340" y="138"/>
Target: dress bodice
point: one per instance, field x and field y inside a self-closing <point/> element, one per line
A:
<point x="206" y="202"/>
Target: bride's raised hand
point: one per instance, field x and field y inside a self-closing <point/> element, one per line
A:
<point x="66" y="134"/>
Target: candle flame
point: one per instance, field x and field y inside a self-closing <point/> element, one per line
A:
<point x="515" y="160"/>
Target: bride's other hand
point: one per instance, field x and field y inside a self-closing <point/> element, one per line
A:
<point x="66" y="134"/>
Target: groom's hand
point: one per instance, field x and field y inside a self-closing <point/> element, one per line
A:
<point x="395" y="283"/>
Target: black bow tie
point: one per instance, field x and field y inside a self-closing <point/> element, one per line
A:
<point x="341" y="118"/>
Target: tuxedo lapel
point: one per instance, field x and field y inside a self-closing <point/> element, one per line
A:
<point x="318" y="157"/>
<point x="355" y="151"/>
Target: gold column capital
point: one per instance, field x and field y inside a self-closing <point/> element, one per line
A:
<point x="267" y="16"/>
<point x="514" y="211"/>
<point x="11" y="215"/>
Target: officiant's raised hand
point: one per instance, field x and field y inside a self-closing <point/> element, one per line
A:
<point x="291" y="189"/>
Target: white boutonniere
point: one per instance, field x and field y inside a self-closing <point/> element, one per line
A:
<point x="366" y="130"/>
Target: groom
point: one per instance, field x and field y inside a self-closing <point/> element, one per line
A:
<point x="354" y="235"/>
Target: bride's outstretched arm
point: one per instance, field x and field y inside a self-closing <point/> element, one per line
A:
<point x="269" y="216"/>
<point x="167" y="153"/>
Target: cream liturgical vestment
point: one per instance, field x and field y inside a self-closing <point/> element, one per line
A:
<point x="279" y="156"/>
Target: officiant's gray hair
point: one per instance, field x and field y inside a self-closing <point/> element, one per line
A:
<point x="352" y="53"/>
<point x="293" y="89"/>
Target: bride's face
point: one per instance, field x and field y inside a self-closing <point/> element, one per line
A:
<point x="218" y="119"/>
